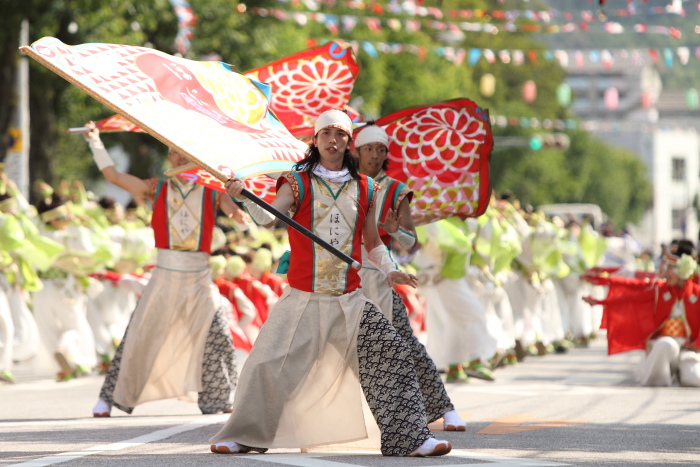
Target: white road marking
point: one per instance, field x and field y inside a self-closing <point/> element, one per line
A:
<point x="129" y="443"/>
<point x="317" y="459"/>
<point x="552" y="389"/>
<point x="127" y="422"/>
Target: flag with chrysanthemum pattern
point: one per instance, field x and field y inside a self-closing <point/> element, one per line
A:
<point x="441" y="151"/>
<point x="303" y="86"/>
<point x="306" y="84"/>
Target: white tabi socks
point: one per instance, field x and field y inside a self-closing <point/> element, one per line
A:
<point x="101" y="409"/>
<point x="432" y="447"/>
<point x="453" y="422"/>
<point x="228" y="447"/>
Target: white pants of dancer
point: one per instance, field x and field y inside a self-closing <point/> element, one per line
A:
<point x="59" y="310"/>
<point x="456" y="324"/>
<point x="526" y="302"/>
<point x="664" y="359"/>
<point x="108" y="314"/>
<point x="7" y="333"/>
<point x="552" y="329"/>
<point x="579" y="320"/>
<point x="497" y="308"/>
<point x="26" y="340"/>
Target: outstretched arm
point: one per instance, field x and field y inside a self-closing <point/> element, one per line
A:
<point x="232" y="210"/>
<point x="638" y="296"/>
<point x="138" y="187"/>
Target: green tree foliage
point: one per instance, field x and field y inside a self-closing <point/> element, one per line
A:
<point x="579" y="174"/>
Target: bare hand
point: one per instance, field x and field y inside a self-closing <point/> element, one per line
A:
<point x="398" y="277"/>
<point x="590" y="300"/>
<point x="391" y="222"/>
<point x="234" y="186"/>
<point x="240" y="216"/>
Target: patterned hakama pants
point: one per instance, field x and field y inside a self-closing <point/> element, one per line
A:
<point x="219" y="374"/>
<point x="435" y="398"/>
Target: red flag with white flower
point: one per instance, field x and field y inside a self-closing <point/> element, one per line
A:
<point x="306" y="84"/>
<point x="442" y="151"/>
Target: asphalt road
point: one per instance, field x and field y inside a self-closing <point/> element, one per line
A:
<point x="581" y="408"/>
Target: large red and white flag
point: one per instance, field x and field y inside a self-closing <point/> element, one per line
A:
<point x="217" y="118"/>
<point x="441" y="151"/>
<point x="306" y="84"/>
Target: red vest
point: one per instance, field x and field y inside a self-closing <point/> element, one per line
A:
<point x="275" y="282"/>
<point x="302" y="255"/>
<point x="390" y="201"/>
<point x="159" y="220"/>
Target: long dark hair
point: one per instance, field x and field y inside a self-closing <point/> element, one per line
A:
<point x="313" y="158"/>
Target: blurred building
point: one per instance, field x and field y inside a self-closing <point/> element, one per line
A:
<point x="626" y="106"/>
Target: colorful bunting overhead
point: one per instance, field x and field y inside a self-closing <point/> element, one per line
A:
<point x="186" y="20"/>
<point x="566" y="58"/>
<point x="504" y="121"/>
<point x="416" y="9"/>
<point x="346" y="23"/>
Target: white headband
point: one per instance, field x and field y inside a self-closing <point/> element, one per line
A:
<point x="333" y="119"/>
<point x="371" y="134"/>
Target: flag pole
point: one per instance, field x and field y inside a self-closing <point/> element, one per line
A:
<point x="300" y="228"/>
<point x="194" y="162"/>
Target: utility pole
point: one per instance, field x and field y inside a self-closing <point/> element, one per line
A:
<point x="17" y="158"/>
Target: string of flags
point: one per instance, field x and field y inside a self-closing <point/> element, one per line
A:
<point x="570" y="59"/>
<point x="347" y="23"/>
<point x="503" y="121"/>
<point x="415" y="9"/>
<point x="186" y="20"/>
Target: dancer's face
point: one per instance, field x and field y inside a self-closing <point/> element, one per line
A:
<point x="176" y="159"/>
<point x="370" y="158"/>
<point x="332" y="143"/>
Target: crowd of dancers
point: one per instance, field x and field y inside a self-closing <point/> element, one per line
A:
<point x="493" y="290"/>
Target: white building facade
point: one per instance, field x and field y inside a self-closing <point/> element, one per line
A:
<point x="665" y="137"/>
<point x="672" y="158"/>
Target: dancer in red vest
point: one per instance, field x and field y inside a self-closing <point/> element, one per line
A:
<point x="324" y="342"/>
<point x="395" y="226"/>
<point x="178" y="342"/>
<point x="260" y="294"/>
<point x="242" y="310"/>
